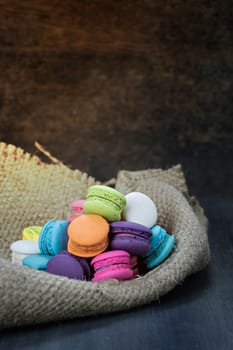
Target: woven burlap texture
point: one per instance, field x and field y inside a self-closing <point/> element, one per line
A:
<point x="32" y="192"/>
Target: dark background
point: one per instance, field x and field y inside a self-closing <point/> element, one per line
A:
<point x="107" y="85"/>
<point x="110" y="85"/>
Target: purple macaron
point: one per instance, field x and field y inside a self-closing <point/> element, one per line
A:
<point x="66" y="264"/>
<point x="130" y="236"/>
<point x="83" y="262"/>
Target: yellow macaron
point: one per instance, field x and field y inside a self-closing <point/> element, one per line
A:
<point x="31" y="233"/>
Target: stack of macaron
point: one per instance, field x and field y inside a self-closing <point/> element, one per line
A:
<point x="107" y="235"/>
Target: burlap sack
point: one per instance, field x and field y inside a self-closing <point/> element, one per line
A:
<point x="32" y="192"/>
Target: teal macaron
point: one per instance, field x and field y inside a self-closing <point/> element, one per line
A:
<point x="37" y="261"/>
<point x="53" y="237"/>
<point x="161" y="244"/>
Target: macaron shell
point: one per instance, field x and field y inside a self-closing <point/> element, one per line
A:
<point x="158" y="236"/>
<point x="25" y="247"/>
<point x="43" y="237"/>
<point x="134" y="265"/>
<point x="64" y="265"/>
<point x="71" y="217"/>
<point x="53" y="237"/>
<point x="120" y="273"/>
<point x="37" y="261"/>
<point x="58" y="240"/>
<point x="17" y="258"/>
<point x="31" y="233"/>
<point x="133" y="244"/>
<point x="105" y="209"/>
<point x="77" y="206"/>
<point x="83" y="262"/>
<point x="157" y="256"/>
<point x="140" y="209"/>
<point x="107" y="193"/>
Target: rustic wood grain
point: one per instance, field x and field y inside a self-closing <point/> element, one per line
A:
<point x="108" y="85"/>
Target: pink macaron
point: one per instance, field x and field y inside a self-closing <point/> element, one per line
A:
<point x="112" y="264"/>
<point x="76" y="209"/>
<point x="77" y="206"/>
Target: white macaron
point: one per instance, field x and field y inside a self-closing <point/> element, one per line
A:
<point x="140" y="209"/>
<point x="22" y="248"/>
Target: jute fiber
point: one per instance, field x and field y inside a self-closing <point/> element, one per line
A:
<point x="32" y="192"/>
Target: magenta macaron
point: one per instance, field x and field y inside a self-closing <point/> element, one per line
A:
<point x="112" y="264"/>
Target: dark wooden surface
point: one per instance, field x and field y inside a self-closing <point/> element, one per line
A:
<point x="107" y="85"/>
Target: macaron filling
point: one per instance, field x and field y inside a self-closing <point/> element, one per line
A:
<point x="112" y="266"/>
<point x="103" y="260"/>
<point x="136" y="236"/>
<point x="97" y="247"/>
<point x="106" y="200"/>
<point x="132" y="244"/>
<point x="86" y="251"/>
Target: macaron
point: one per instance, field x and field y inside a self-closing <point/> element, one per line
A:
<point x="134" y="265"/>
<point x="66" y="265"/>
<point x="161" y="246"/>
<point x="77" y="206"/>
<point x="130" y="236"/>
<point x="140" y="209"/>
<point x="71" y="217"/>
<point x="88" y="235"/>
<point x="83" y="262"/>
<point x="104" y="201"/>
<point x="53" y="237"/>
<point x="112" y="264"/>
<point x="37" y="261"/>
<point x="22" y="248"/>
<point x="31" y="232"/>
<point x="76" y="209"/>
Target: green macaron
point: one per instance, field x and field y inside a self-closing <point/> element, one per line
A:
<point x="104" y="201"/>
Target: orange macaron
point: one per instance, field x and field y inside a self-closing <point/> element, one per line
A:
<point x="88" y="235"/>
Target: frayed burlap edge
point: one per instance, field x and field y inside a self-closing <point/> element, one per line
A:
<point x="29" y="297"/>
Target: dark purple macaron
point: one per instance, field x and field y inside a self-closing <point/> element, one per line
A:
<point x="82" y="261"/>
<point x="65" y="265"/>
<point x="130" y="236"/>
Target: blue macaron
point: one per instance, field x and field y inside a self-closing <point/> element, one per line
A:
<point x="53" y="237"/>
<point x="161" y="246"/>
<point x="37" y="261"/>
